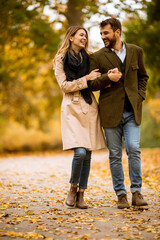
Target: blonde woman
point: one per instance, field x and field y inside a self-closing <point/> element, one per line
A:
<point x="80" y="124"/>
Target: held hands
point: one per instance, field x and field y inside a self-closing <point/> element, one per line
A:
<point x="114" y="74"/>
<point x="93" y="75"/>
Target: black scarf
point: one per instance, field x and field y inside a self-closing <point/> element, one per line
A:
<point x="76" y="66"/>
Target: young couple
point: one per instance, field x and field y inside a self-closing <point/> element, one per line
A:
<point x="118" y="71"/>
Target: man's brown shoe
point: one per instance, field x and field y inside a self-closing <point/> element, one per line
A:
<point x="71" y="198"/>
<point x="122" y="201"/>
<point x="137" y="199"/>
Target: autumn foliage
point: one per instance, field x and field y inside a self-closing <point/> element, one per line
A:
<point x="33" y="190"/>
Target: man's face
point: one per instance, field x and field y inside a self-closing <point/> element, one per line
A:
<point x="108" y="36"/>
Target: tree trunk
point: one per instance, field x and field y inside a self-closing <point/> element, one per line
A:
<point x="74" y="13"/>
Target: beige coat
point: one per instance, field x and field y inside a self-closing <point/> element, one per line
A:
<point x="80" y="123"/>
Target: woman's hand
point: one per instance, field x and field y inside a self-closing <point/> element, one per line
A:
<point x="93" y="75"/>
<point x="114" y="74"/>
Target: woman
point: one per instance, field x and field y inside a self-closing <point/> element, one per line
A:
<point x="80" y="123"/>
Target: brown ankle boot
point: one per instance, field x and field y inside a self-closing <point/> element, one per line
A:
<point x="71" y="198"/>
<point x="80" y="203"/>
<point x="137" y="199"/>
<point x="122" y="201"/>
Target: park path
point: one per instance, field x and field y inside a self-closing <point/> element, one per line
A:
<point x="33" y="189"/>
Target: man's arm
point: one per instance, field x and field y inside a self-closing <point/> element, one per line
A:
<point x="142" y="76"/>
<point x="105" y="80"/>
<point x="100" y="82"/>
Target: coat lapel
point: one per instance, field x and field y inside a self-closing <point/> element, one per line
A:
<point x="111" y="58"/>
<point x="129" y="53"/>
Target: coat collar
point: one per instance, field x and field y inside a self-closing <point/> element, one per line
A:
<point x="112" y="59"/>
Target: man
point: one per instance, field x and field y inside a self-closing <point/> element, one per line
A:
<point x="120" y="104"/>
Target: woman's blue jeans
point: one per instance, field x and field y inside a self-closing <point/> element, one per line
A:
<point x="80" y="167"/>
<point x="131" y="133"/>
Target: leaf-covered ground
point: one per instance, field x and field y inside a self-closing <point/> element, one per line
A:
<point x="33" y="190"/>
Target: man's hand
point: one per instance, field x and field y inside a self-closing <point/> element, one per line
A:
<point x="113" y="70"/>
<point x="114" y="74"/>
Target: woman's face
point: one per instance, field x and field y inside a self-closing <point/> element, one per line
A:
<point x="79" y="40"/>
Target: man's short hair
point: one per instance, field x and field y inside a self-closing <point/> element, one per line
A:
<point x="114" y="22"/>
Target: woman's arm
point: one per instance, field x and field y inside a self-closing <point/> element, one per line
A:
<point x="75" y="85"/>
<point x="67" y="86"/>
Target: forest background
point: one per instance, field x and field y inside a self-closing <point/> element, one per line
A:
<point x="30" y="34"/>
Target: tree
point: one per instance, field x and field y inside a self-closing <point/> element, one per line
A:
<point x="27" y="45"/>
<point x="74" y="12"/>
<point x="77" y="12"/>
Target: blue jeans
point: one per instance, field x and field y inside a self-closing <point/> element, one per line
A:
<point x="80" y="167"/>
<point x="131" y="133"/>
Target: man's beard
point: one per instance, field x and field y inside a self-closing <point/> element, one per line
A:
<point x="110" y="42"/>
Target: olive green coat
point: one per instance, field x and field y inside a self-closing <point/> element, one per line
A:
<point x="112" y="95"/>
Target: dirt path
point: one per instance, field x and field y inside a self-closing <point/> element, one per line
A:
<point x="33" y="190"/>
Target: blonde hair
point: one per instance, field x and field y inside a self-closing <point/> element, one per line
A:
<point x="66" y="43"/>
